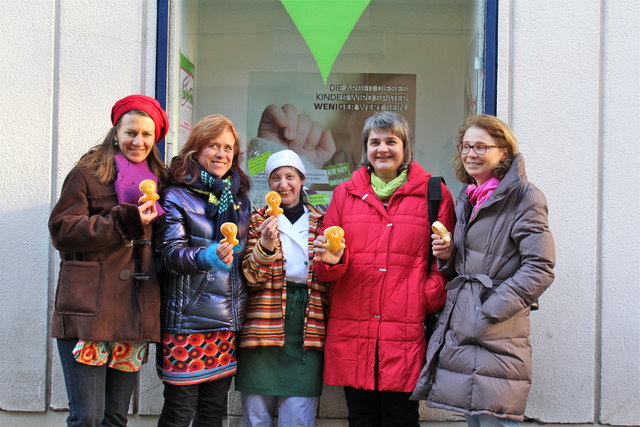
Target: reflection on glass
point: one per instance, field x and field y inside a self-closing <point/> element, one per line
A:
<point x="249" y="55"/>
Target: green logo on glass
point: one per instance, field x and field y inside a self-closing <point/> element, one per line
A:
<point x="325" y="25"/>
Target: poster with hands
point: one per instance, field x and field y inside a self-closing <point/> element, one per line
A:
<point x="321" y="122"/>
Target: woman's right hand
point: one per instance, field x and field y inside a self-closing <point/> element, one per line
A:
<point x="269" y="233"/>
<point x="440" y="248"/>
<point x="323" y="254"/>
<point x="147" y="212"/>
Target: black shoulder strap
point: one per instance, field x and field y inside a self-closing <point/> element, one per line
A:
<point x="434" y="191"/>
<point x="434" y="196"/>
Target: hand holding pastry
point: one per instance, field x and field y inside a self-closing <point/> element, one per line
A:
<point x="334" y="236"/>
<point x="439" y="228"/>
<point x="229" y="230"/>
<point x="273" y="199"/>
<point x="148" y="188"/>
<point x="441" y="241"/>
<point x="148" y="212"/>
<point x="269" y="233"/>
<point x="321" y="253"/>
<point x="224" y="251"/>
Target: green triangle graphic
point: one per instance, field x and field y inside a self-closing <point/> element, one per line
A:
<point x="325" y="25"/>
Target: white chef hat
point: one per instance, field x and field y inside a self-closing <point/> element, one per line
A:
<point x="284" y="158"/>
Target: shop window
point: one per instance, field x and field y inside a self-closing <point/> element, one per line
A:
<point x="426" y="60"/>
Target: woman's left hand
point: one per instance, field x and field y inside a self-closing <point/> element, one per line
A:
<point x="225" y="252"/>
<point x="323" y="254"/>
<point x="147" y="212"/>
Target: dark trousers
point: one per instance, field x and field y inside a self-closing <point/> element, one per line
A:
<point x="98" y="395"/>
<point x="208" y="400"/>
<point x="372" y="408"/>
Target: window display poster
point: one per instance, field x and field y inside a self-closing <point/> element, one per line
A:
<point x="321" y="122"/>
<point x="187" y="75"/>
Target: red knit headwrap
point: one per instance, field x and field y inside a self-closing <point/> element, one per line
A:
<point x="146" y="104"/>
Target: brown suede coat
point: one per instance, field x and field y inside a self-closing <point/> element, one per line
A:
<point x="102" y="246"/>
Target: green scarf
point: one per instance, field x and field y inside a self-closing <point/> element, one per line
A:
<point x="384" y="190"/>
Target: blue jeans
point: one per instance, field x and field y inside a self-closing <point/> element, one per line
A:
<point x="485" y="420"/>
<point x="98" y="395"/>
<point x="259" y="410"/>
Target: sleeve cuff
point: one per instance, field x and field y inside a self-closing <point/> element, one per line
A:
<point x="208" y="258"/>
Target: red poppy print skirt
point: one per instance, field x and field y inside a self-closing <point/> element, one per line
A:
<point x="196" y="358"/>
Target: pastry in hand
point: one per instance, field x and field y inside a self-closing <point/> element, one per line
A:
<point x="439" y="228"/>
<point x="334" y="237"/>
<point x="148" y="188"/>
<point x="229" y="230"/>
<point x="273" y="199"/>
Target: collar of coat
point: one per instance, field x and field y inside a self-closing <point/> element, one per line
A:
<point x="515" y="176"/>
<point x="360" y="182"/>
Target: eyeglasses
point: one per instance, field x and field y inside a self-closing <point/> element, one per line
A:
<point x="479" y="149"/>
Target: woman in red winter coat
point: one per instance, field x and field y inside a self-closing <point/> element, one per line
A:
<point x="383" y="287"/>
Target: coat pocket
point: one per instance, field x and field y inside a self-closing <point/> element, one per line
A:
<point x="200" y="290"/>
<point x="79" y="288"/>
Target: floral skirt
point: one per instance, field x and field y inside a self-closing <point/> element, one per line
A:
<point x="196" y="358"/>
<point x="126" y="357"/>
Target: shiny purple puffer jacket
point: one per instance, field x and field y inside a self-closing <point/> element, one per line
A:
<point x="194" y="300"/>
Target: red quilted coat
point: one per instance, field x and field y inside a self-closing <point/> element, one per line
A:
<point x="381" y="295"/>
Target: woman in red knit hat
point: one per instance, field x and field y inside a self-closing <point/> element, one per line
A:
<point x="107" y="303"/>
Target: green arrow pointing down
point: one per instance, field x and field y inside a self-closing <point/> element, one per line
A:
<point x="325" y="25"/>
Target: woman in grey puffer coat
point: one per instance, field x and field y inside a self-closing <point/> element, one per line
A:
<point x="501" y="260"/>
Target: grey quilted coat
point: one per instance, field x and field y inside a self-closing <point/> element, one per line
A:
<point x="479" y="358"/>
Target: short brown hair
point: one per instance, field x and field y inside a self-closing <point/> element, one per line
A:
<point x="499" y="131"/>
<point x="394" y="123"/>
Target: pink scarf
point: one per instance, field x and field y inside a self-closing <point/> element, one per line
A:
<point x="479" y="194"/>
<point x="128" y="181"/>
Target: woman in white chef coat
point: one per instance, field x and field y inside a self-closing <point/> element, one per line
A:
<point x="281" y="347"/>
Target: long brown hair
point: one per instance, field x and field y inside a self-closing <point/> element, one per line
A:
<point x="184" y="167"/>
<point x="499" y="131"/>
<point x="100" y="158"/>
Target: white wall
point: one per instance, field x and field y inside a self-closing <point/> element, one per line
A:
<point x="64" y="63"/>
<point x="567" y="87"/>
<point x="26" y="132"/>
<point x="619" y="238"/>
